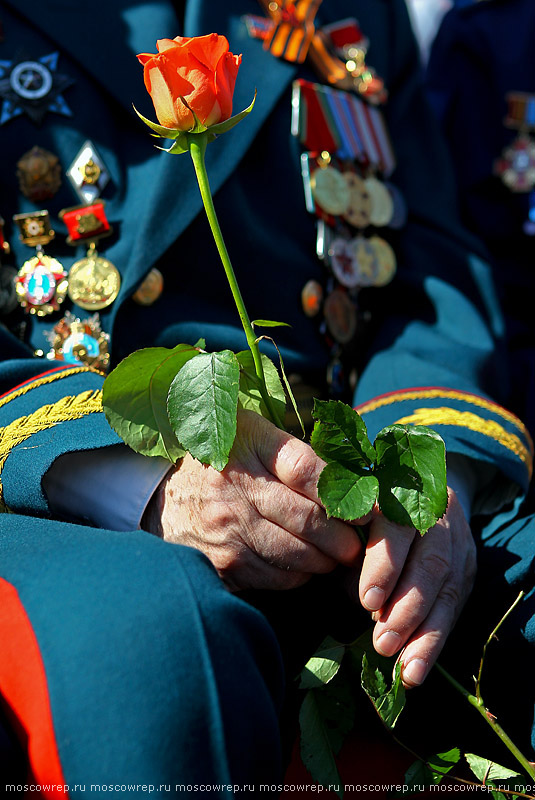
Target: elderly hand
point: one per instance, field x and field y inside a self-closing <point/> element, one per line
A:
<point x="259" y="521"/>
<point x="416" y="586"/>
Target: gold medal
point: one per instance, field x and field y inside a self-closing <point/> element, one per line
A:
<point x="385" y="261"/>
<point x="94" y="282"/>
<point x="330" y="190"/>
<point x="358" y="213"/>
<point x="382" y="205"/>
<point x="341" y="316"/>
<point x="365" y="258"/>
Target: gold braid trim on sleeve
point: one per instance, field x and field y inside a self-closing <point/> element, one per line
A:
<point x="42" y="381"/>
<point x="466" y="419"/>
<point x="68" y="408"/>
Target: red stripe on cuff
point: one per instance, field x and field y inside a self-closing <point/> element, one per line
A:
<point x="23" y="686"/>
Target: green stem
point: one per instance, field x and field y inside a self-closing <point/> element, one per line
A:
<point x="197" y="147"/>
<point x="489" y="640"/>
<point x="490" y="719"/>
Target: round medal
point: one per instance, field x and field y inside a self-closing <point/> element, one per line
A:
<point x="330" y="190"/>
<point x="343" y="263"/>
<point x="381" y="200"/>
<point x="516" y="167"/>
<point x="31" y="80"/>
<point x="365" y="258"/>
<point x="39" y="174"/>
<point x="312" y="298"/>
<point x="41" y="285"/>
<point x="150" y="289"/>
<point x="94" y="282"/>
<point x="360" y="204"/>
<point x="400" y="212"/>
<point x="385" y="261"/>
<point x="341" y="316"/>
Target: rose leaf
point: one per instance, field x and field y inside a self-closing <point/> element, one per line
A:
<point x="411" y="468"/>
<point x="422" y="774"/>
<point x="324" y="664"/>
<point x="347" y="493"/>
<point x="135" y="395"/>
<point x="340" y="435"/>
<point x="249" y="396"/>
<point x="326" y="716"/>
<point x="375" y="677"/>
<point x="269" y="323"/>
<point x="202" y="405"/>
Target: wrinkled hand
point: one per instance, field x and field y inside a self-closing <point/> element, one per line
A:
<point x="416" y="586"/>
<point x="260" y="521"/>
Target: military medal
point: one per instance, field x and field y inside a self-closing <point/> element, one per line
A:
<point x="516" y="165"/>
<point x="341" y="316"/>
<point x="41" y="283"/>
<point x="343" y="262"/>
<point x="347" y="150"/>
<point x="39" y="174"/>
<point x="312" y="298"/>
<point x="77" y="341"/>
<point x="150" y="289"/>
<point x="382" y="205"/>
<point x="33" y="87"/>
<point x="400" y="211"/>
<point x="330" y="190"/>
<point x="94" y="282"/>
<point x="358" y="212"/>
<point x="385" y="261"/>
<point x="88" y="173"/>
<point x="292" y="28"/>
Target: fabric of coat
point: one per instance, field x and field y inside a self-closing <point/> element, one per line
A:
<point x="148" y="670"/>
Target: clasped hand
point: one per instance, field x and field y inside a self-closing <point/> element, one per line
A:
<point x="262" y="525"/>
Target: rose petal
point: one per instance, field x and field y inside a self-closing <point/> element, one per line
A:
<point x="166" y="44"/>
<point x="209" y="49"/>
<point x="225" y="80"/>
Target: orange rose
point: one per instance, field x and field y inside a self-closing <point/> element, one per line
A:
<point x="201" y="70"/>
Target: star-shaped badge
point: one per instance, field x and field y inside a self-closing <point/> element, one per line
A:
<point x="33" y="87"/>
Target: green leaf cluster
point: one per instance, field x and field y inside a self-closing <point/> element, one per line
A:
<point x="166" y="402"/>
<point x="328" y="712"/>
<point x="404" y="471"/>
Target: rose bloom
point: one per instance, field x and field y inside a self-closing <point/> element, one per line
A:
<point x="199" y="69"/>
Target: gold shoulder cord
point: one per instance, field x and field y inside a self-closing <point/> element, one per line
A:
<point x="68" y="408"/>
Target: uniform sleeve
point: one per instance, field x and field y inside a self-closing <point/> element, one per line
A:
<point x="438" y="353"/>
<point x="41" y="418"/>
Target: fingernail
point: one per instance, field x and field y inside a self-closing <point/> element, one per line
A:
<point x="414" y="671"/>
<point x="388" y="643"/>
<point x="374" y="599"/>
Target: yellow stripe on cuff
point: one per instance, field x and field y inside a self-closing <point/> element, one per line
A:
<point x="447" y="394"/>
<point x="68" y="408"/>
<point x="466" y="419"/>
